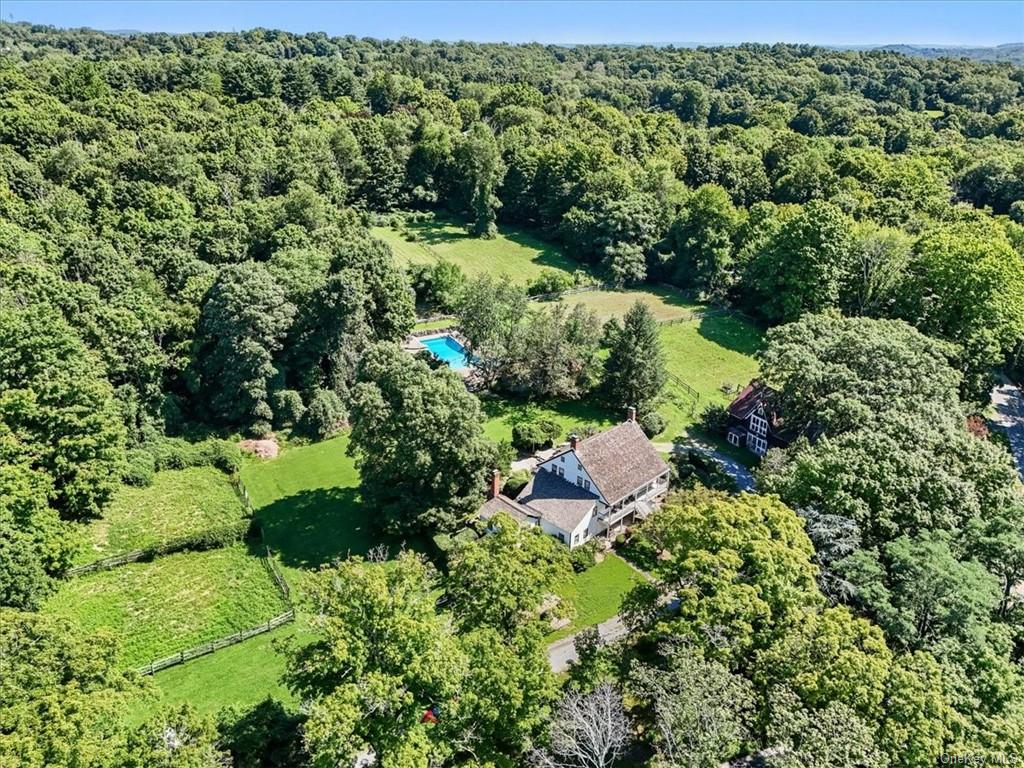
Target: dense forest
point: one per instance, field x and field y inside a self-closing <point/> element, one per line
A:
<point x="185" y="255"/>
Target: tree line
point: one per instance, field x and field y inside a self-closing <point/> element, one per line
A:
<point x="184" y="251"/>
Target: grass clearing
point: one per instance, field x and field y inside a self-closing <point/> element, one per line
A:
<point x="240" y="675"/>
<point x="179" y="502"/>
<point x="514" y="252"/>
<point x="707" y="353"/>
<point x="665" y="303"/>
<point x="307" y="501"/>
<point x="172" y="603"/>
<point x="503" y="414"/>
<point x="596" y="593"/>
<point x="434" y="325"/>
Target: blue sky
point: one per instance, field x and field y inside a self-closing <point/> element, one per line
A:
<point x="839" y="22"/>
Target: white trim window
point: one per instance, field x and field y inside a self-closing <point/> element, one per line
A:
<point x="757" y="444"/>
<point x="733" y="438"/>
<point x="758" y="425"/>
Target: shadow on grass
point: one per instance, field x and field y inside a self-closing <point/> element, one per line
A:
<point x="446" y="228"/>
<point x="673" y="297"/>
<point x="514" y="411"/>
<point x="732" y="332"/>
<point x="316" y="527"/>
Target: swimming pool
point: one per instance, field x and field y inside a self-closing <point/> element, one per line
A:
<point x="447" y="349"/>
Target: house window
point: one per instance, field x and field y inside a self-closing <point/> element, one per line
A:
<point x="560" y="537"/>
<point x="586" y="485"/>
<point x="758" y="425"/>
<point x="734" y="438"/>
<point x="575" y="539"/>
<point x="562" y="458"/>
<point x="578" y="466"/>
<point x="579" y="481"/>
<point x="757" y="444"/>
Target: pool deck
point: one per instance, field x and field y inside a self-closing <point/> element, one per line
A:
<point x="413" y="343"/>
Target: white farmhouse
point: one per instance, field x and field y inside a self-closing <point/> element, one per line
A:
<point x="589" y="488"/>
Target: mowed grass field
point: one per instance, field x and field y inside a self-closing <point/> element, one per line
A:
<point x="665" y="303"/>
<point x="596" y="593"/>
<point x="178" y="503"/>
<point x="172" y="603"/>
<point x="503" y="414"/>
<point x="514" y="252"/>
<point x="307" y="501"/>
<point x="237" y="676"/>
<point x="707" y="354"/>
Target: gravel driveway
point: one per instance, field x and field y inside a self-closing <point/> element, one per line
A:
<point x="1009" y="404"/>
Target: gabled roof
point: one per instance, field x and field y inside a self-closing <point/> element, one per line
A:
<point x="756" y="393"/>
<point x="553" y="499"/>
<point x="500" y="503"/>
<point x="620" y="460"/>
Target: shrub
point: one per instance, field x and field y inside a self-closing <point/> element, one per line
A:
<point x="585" y="557"/>
<point x="261" y="429"/>
<point x="583" y="431"/>
<point x="550" y="281"/>
<point x="530" y="435"/>
<point x="288" y="407"/>
<point x="225" y="456"/>
<point x="178" y="453"/>
<point x="504" y="455"/>
<point x="516" y="482"/>
<point x="324" y="415"/>
<point x="173" y="453"/>
<point x="692" y="469"/>
<point x="652" y="423"/>
<point x="139" y="469"/>
<point x="715" y="419"/>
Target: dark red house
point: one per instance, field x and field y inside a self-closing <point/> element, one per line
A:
<point x="755" y="422"/>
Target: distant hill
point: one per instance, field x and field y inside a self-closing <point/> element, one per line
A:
<point x="1012" y="52"/>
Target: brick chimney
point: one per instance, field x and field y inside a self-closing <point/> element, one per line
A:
<point x="495" y="484"/>
<point x="631" y="413"/>
<point x="574" y="440"/>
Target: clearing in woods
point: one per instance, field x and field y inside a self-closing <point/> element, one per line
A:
<point x="179" y="502"/>
<point x="174" y="602"/>
<point x="514" y="252"/>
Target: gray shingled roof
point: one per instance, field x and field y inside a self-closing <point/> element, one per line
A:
<point x="500" y="503"/>
<point x="560" y="503"/>
<point x="620" y="460"/>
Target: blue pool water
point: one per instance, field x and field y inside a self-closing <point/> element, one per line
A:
<point x="448" y="350"/>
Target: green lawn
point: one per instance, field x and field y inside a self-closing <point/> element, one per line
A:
<point x="433" y="325"/>
<point x="513" y="252"/>
<point x="239" y="675"/>
<point x="665" y="303"/>
<point x="706" y="354"/>
<point x="178" y="503"/>
<point x="502" y="415"/>
<point x="596" y="593"/>
<point x="172" y="603"/>
<point x="307" y="501"/>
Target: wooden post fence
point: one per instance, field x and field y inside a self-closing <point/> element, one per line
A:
<point x="215" y="645"/>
